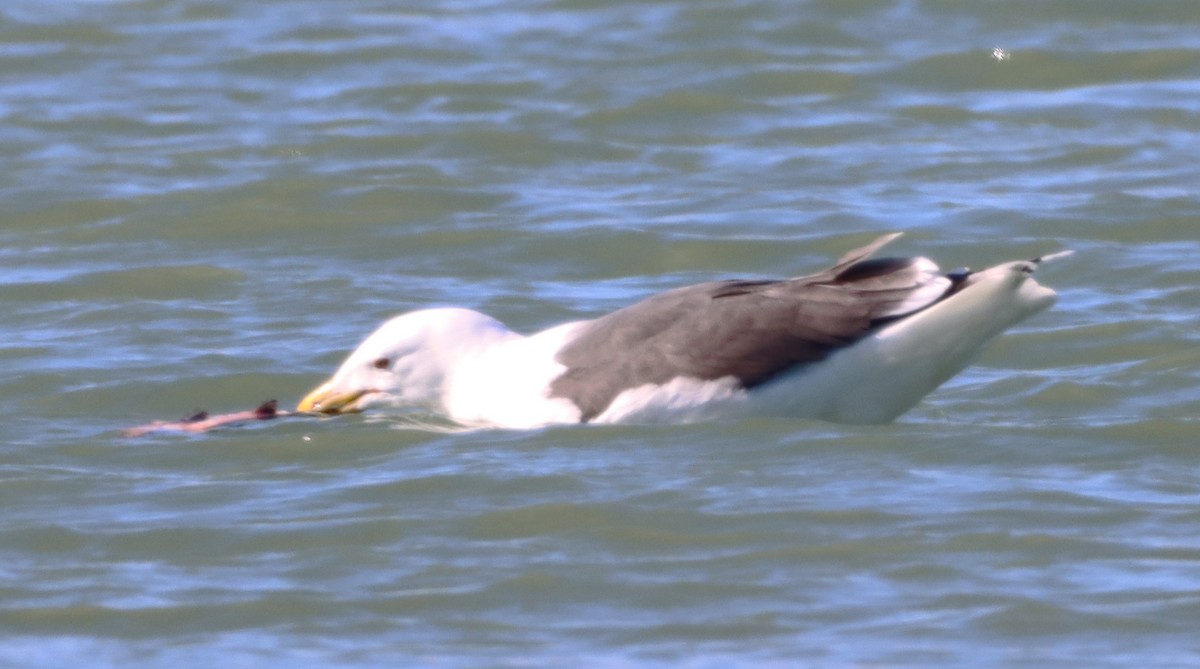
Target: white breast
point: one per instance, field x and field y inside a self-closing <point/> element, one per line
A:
<point x="507" y="384"/>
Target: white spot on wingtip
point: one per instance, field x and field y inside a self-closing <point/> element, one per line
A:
<point x="1053" y="256"/>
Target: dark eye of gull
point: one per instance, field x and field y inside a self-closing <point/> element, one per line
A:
<point x="381" y="363"/>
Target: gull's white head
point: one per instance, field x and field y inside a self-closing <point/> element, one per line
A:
<point x="403" y="363"/>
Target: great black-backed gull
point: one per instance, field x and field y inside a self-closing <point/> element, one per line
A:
<point x="860" y="342"/>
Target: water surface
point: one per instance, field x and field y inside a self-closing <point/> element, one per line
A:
<point x="207" y="203"/>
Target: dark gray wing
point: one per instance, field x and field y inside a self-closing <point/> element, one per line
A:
<point x="750" y="330"/>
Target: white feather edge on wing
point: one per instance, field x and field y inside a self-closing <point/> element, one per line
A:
<point x="929" y="287"/>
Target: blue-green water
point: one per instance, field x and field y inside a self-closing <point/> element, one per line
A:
<point x="206" y="203"/>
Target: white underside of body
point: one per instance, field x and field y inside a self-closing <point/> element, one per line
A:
<point x="491" y="376"/>
<point x="680" y="400"/>
<point x="889" y="372"/>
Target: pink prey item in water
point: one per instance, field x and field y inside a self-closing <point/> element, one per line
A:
<point x="201" y="421"/>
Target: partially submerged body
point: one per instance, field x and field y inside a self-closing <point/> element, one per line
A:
<point x="861" y="342"/>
